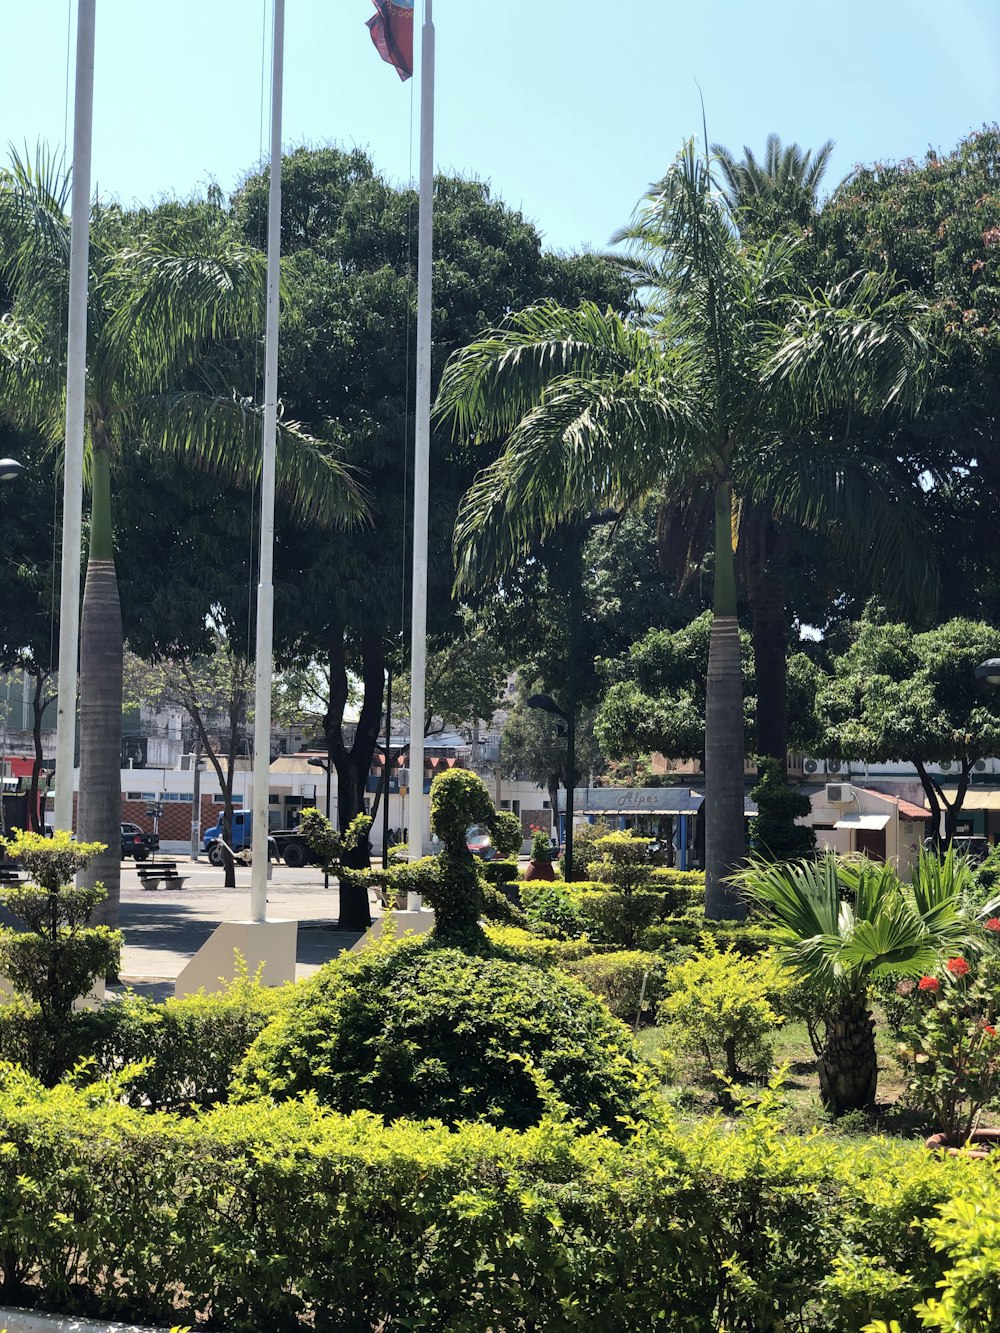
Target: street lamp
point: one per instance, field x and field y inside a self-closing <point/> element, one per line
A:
<point x="989" y="671"/>
<point x="10" y="468"/>
<point x="547" y="704"/>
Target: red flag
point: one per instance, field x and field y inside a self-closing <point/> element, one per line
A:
<point x="392" y="33"/>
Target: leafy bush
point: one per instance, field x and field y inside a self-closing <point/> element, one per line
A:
<point x="57" y="957"/>
<point x="285" y="1216"/>
<point x="622" y="861"/>
<point x="625" y="980"/>
<point x="620" y="919"/>
<point x="551" y="903"/>
<point x="719" y="1008"/>
<point x="408" y="1030"/>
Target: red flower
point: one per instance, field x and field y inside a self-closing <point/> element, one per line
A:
<point x="989" y="1029"/>
<point x="928" y="983"/>
<point x="992" y="924"/>
<point x="958" y="967"/>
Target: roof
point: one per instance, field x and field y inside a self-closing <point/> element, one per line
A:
<point x="862" y="821"/>
<point x="907" y="809"/>
<point x="976" y="798"/>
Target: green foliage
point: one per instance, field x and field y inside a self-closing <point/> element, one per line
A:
<point x="528" y="947"/>
<point x="950" y="1046"/>
<point x="266" y="1216"/>
<point x="329" y="847"/>
<point x="774" y="834"/>
<point x="720" y="1009"/>
<point x="622" y="861"/>
<point x="630" y="982"/>
<point x="541" y="846"/>
<point x="505" y="829"/>
<point x="411" y="1031"/>
<point x="684" y="933"/>
<point x="550" y="903"/>
<point x="57" y="958"/>
<point x="585" y="836"/>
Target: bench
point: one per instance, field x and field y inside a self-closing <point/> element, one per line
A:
<point x="10" y="875"/>
<point x="160" y="873"/>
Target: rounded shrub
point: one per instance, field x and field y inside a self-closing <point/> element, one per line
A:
<point x="415" y="1032"/>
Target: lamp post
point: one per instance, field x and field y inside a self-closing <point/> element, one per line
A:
<point x="10" y="468"/>
<point x="546" y="704"/>
<point x="988" y="672"/>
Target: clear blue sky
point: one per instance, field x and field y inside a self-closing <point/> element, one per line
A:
<point x="569" y="107"/>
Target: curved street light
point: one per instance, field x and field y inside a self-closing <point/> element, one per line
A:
<point x="989" y="671"/>
<point x="10" y="468"/>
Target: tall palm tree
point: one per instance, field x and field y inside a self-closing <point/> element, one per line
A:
<point x="171" y="294"/>
<point x="843" y="925"/>
<point x="725" y="363"/>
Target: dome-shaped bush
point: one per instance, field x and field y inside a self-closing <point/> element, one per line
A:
<point x="415" y="1032"/>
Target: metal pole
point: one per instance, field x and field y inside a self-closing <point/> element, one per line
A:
<point x="196" y="799"/>
<point x="265" y="588"/>
<point x="421" y="456"/>
<point x="386" y="770"/>
<point x="329" y="770"/>
<point x="76" y="388"/>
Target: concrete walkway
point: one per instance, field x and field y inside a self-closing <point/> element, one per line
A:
<point x="164" y="928"/>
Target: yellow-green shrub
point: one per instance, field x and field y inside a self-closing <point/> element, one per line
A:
<point x="720" y="1009"/>
<point x="286" y="1216"/>
<point x="624" y="979"/>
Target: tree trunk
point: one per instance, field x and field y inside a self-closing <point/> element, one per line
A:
<point x="766" y="592"/>
<point x="724" y="744"/>
<point x="99" y="810"/>
<point x="847" y="1065"/>
<point x="36" y="806"/>
<point x="354" y="765"/>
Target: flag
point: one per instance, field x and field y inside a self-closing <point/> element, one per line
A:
<point x="392" y="33"/>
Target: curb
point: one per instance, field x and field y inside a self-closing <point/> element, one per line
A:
<point x="37" y="1321"/>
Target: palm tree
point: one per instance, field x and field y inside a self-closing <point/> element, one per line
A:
<point x="844" y="925"/>
<point x="171" y="293"/>
<point x="769" y="196"/>
<point x="701" y="393"/>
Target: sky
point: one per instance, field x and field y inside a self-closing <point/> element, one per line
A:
<point x="570" y="108"/>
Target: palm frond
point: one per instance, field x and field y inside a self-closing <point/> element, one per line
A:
<point x="221" y="435"/>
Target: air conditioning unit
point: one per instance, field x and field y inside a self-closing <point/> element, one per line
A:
<point x="833" y="765"/>
<point x="839" y="793"/>
<point x="980" y="765"/>
<point x="945" y="766"/>
<point x="812" y="766"/>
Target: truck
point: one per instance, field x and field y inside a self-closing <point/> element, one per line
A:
<point x="137" y="844"/>
<point x="289" y="844"/>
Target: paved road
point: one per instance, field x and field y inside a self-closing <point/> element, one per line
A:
<point x="165" y="927"/>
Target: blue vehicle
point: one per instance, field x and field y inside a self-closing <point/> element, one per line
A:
<point x="286" y="844"/>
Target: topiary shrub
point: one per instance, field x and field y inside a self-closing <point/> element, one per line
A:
<point x="552" y="904"/>
<point x="774" y="834"/>
<point x="584" y="838"/>
<point x="58" y="957"/>
<point x="417" y="1032"/>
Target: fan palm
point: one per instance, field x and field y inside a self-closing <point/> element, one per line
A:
<point x="170" y="293"/>
<point x="842" y="925"/>
<point x="725" y="366"/>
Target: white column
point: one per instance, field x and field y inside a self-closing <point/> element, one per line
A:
<point x="76" y="387"/>
<point x="265" y="588"/>
<point x="421" y="457"/>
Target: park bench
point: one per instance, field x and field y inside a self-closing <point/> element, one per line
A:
<point x="10" y="875"/>
<point x="160" y="873"/>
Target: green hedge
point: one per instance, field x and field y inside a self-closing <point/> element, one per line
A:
<point x="278" y="1217"/>
<point x="617" y="977"/>
<point x="682" y="934"/>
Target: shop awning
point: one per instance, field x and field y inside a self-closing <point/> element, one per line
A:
<point x="976" y="798"/>
<point x="862" y="821"/>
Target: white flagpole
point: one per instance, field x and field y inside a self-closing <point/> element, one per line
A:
<point x="422" y="441"/>
<point x="76" y="387"/>
<point x="265" y="587"/>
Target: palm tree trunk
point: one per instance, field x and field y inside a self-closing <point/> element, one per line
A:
<point x="99" y="810"/>
<point x="724" y="743"/>
<point x="847" y="1065"/>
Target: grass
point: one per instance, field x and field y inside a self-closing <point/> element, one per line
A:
<point x="693" y="1098"/>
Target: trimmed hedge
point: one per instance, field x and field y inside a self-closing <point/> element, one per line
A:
<point x="278" y="1217"/>
<point x="617" y="977"/>
<point x="413" y="1029"/>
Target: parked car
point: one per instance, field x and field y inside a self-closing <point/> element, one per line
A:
<point x="976" y="848"/>
<point x="479" y="843"/>
<point x="137" y="844"/>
